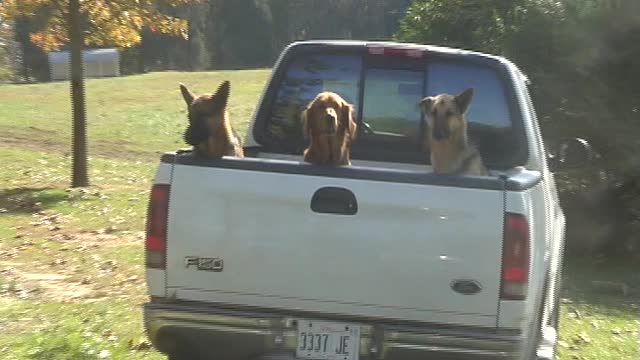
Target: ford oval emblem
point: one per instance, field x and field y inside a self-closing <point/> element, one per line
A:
<point x="466" y="287"/>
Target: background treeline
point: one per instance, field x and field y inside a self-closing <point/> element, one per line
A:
<point x="236" y="34"/>
<point x="583" y="57"/>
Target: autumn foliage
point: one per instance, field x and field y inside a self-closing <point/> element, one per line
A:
<point x="90" y="22"/>
<point x="106" y="22"/>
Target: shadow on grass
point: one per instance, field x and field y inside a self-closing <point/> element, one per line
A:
<point x="613" y="288"/>
<point x="29" y="200"/>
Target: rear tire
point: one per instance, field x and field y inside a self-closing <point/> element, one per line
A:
<point x="554" y="318"/>
<point x="184" y="350"/>
<point x="552" y="321"/>
<point x="533" y="352"/>
<point x="184" y="355"/>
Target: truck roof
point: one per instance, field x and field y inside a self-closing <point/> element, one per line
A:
<point x="413" y="46"/>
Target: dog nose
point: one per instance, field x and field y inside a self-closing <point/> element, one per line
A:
<point x="330" y="117"/>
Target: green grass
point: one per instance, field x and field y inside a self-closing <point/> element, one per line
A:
<point x="71" y="275"/>
<point x="71" y="260"/>
<point x="133" y="117"/>
<point x="599" y="323"/>
<point x="71" y="331"/>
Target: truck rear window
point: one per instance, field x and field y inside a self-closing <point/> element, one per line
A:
<point x="305" y="78"/>
<point x="386" y="96"/>
<point x="390" y="106"/>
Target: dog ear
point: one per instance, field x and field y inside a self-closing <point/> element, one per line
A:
<point x="221" y="96"/>
<point x="464" y="99"/>
<point x="186" y="94"/>
<point x="426" y="104"/>
<point x="352" y="126"/>
<point x="306" y="131"/>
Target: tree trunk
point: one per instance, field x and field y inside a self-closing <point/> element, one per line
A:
<point x="79" y="172"/>
<point x="190" y="38"/>
<point x="25" y="66"/>
<point x="22" y="37"/>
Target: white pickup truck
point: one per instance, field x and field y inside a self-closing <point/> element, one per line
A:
<point x="268" y="257"/>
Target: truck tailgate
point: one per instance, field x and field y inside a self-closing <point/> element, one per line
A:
<point x="396" y="257"/>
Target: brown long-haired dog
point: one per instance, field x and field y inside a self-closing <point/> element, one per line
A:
<point x="209" y="130"/>
<point x="446" y="135"/>
<point x="329" y="125"/>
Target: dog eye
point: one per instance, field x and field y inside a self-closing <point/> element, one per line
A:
<point x="196" y="116"/>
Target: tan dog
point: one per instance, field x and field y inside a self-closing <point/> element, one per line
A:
<point x="329" y="125"/>
<point x="446" y="135"/>
<point x="209" y="130"/>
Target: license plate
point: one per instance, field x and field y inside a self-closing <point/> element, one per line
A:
<point x="323" y="340"/>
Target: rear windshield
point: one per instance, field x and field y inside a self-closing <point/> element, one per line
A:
<point x="386" y="96"/>
<point x="305" y="78"/>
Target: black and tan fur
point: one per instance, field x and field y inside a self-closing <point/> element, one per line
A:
<point x="329" y="125"/>
<point x="209" y="130"/>
<point x="446" y="135"/>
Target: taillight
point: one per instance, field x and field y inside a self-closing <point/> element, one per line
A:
<point x="387" y="51"/>
<point x="515" y="258"/>
<point x="157" y="214"/>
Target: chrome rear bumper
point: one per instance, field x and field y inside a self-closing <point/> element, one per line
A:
<point x="233" y="334"/>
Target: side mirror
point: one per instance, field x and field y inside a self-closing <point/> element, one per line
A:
<point x="571" y="154"/>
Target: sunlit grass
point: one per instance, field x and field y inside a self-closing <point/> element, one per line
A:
<point x="92" y="238"/>
<point x="127" y="116"/>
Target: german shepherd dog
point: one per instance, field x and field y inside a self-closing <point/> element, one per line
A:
<point x="329" y="125"/>
<point x="209" y="130"/>
<point x="446" y="135"/>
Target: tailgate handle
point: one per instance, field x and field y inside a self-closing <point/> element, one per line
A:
<point x="334" y="200"/>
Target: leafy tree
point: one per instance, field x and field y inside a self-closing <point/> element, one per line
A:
<point x="584" y="81"/>
<point x="494" y="26"/>
<point x="9" y="53"/>
<point x="32" y="59"/>
<point x="91" y="22"/>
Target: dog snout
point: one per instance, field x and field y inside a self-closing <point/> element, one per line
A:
<point x="330" y="114"/>
<point x="440" y="133"/>
<point x="331" y="117"/>
<point x="196" y="133"/>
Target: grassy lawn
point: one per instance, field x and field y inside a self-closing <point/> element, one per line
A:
<point x="71" y="280"/>
<point x="598" y="320"/>
<point x="71" y="275"/>
<point x="132" y="117"/>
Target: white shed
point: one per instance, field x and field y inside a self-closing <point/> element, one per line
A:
<point x="97" y="63"/>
